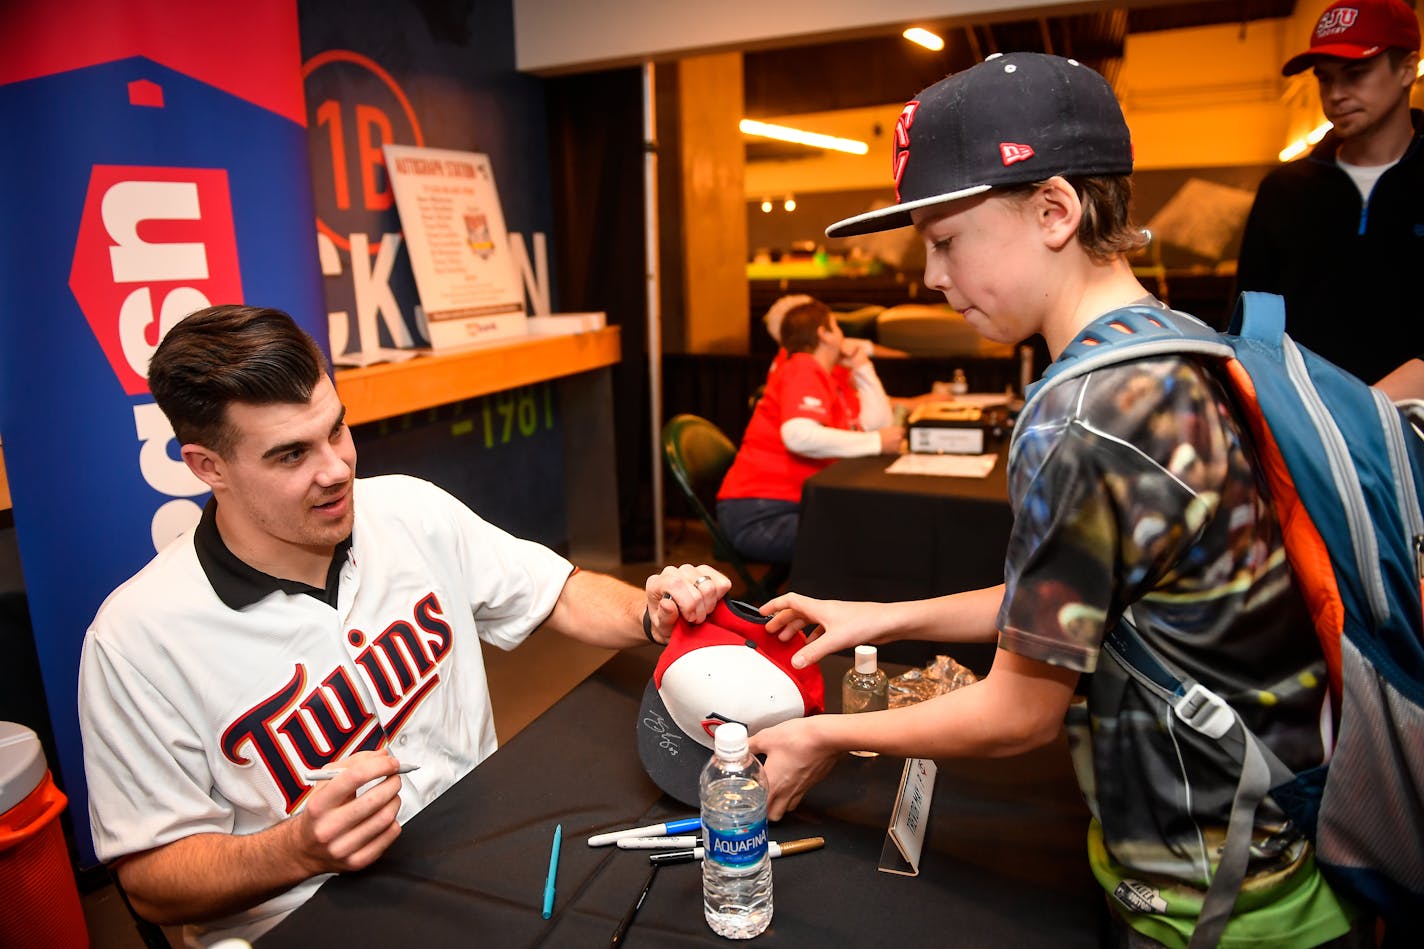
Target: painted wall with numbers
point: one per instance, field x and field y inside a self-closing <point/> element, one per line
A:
<point x="439" y="75"/>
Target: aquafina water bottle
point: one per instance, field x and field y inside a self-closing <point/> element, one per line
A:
<point x="736" y="866"/>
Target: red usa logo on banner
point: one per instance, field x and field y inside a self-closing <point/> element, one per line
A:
<point x="154" y="245"/>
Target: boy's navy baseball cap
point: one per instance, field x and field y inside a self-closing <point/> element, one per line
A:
<point x="1358" y="29"/>
<point x="725" y="669"/>
<point x="1013" y="119"/>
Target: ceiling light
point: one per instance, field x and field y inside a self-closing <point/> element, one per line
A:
<point x="766" y="207"/>
<point x="789" y="204"/>
<point x="924" y="37"/>
<point x="783" y="134"/>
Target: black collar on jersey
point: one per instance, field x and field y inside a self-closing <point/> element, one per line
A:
<point x="238" y="584"/>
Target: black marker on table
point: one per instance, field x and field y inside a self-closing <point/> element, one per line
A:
<point x="627" y="920"/>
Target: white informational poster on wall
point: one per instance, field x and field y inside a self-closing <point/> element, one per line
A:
<point x="470" y="289"/>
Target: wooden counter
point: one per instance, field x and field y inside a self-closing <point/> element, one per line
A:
<point x="391" y="389"/>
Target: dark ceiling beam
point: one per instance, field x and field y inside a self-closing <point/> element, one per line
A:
<point x="881" y="70"/>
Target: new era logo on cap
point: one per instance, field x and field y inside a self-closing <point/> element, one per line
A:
<point x="1012" y="152"/>
<point x="726" y="669"/>
<point x="1358" y="29"/>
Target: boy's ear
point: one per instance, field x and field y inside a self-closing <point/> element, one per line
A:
<point x="1058" y="210"/>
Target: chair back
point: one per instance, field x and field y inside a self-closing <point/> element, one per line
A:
<point x="699" y="454"/>
<point x="924" y="330"/>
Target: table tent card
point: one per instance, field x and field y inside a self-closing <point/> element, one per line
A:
<point x="469" y="285"/>
<point x="905" y="839"/>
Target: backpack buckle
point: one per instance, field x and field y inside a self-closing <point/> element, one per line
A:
<point x="1205" y="711"/>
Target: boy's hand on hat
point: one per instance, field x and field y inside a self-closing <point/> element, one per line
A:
<point x="795" y="762"/>
<point x="689" y="591"/>
<point x="829" y="625"/>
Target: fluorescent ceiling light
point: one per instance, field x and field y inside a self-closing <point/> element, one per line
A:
<point x="800" y="137"/>
<point x="924" y="37"/>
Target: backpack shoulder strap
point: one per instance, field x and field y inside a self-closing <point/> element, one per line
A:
<point x="1259" y="316"/>
<point x="1207" y="713"/>
<point x="1122" y="335"/>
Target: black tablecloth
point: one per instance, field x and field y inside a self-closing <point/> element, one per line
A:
<point x="1004" y="861"/>
<point x="869" y="535"/>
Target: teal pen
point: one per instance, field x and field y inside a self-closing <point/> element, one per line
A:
<point x="553" y="872"/>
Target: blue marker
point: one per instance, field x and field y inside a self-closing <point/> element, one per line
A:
<point x="669" y="829"/>
<point x="553" y="871"/>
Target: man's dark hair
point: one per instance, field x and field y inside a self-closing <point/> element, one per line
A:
<point x="799" y="326"/>
<point x="225" y="354"/>
<point x="1397" y="55"/>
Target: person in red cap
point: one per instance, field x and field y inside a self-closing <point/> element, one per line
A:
<point x="1340" y="232"/>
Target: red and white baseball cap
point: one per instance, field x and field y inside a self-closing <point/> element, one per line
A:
<point x="1358" y="29"/>
<point x="725" y="669"/>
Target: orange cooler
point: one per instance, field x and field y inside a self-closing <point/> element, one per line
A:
<point x="39" y="902"/>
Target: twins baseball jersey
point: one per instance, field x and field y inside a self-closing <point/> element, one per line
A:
<point x="208" y="690"/>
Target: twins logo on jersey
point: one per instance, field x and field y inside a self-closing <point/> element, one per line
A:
<point x="297" y="729"/>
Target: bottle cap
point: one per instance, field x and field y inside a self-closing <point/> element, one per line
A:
<point x="865" y="659"/>
<point x="730" y="740"/>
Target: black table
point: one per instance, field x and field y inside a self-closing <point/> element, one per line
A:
<point x="869" y="535"/>
<point x="1004" y="861"/>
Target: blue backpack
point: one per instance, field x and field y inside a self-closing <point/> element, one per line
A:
<point x="1345" y="468"/>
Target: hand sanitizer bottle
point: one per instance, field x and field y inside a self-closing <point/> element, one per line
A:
<point x="865" y="687"/>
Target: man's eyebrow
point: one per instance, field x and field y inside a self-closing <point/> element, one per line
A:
<point x="285" y="447"/>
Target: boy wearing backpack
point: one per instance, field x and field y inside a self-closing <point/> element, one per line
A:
<point x="1137" y="498"/>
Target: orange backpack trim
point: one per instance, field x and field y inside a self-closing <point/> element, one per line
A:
<point x="1306" y="550"/>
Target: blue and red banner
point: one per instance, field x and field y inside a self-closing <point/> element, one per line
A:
<point x="155" y="162"/>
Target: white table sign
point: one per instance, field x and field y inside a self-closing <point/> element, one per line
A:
<point x="906" y="837"/>
<point x="469" y="284"/>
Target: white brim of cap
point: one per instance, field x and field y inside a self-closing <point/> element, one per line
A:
<point x="897" y="215"/>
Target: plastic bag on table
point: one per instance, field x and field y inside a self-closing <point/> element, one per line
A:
<point x="941" y="675"/>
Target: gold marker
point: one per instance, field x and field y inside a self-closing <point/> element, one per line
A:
<point x="773" y="848"/>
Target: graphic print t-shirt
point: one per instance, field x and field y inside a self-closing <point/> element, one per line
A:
<point x="1133" y="486"/>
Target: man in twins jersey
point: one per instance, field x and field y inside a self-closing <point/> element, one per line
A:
<point x="310" y="621"/>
